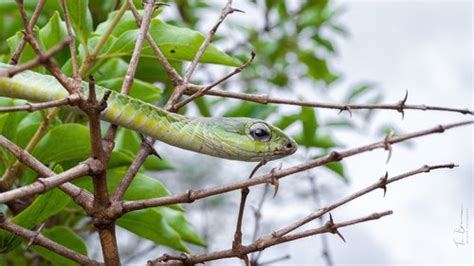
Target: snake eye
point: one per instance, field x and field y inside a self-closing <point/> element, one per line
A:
<point x="260" y="132"/>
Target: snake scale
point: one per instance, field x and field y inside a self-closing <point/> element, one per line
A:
<point x="243" y="139"/>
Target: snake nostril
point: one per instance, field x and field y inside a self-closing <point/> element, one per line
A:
<point x="289" y="145"/>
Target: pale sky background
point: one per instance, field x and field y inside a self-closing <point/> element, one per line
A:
<point x="422" y="46"/>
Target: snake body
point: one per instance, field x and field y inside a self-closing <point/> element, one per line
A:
<point x="242" y="139"/>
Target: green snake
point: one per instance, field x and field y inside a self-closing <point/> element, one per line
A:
<point x="242" y="139"/>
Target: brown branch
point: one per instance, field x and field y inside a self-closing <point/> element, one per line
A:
<point x="72" y="45"/>
<point x="191" y="196"/>
<point x="48" y="62"/>
<point x="268" y="241"/>
<point x="381" y="183"/>
<point x="315" y="193"/>
<point x="203" y="90"/>
<point x="170" y="71"/>
<point x="37" y="238"/>
<point x="32" y="107"/>
<point x="16" y="168"/>
<point x="44" y="184"/>
<point x="127" y="179"/>
<point x="265" y="99"/>
<point x="90" y="59"/>
<point x="81" y="197"/>
<point x="106" y="228"/>
<point x="144" y="24"/>
<point x="38" y="60"/>
<point x="258" y="218"/>
<point x="34" y="18"/>
<point x="207" y="41"/>
<point x="178" y="91"/>
<point x="149" y="6"/>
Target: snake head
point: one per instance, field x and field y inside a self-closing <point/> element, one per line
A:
<point x="247" y="139"/>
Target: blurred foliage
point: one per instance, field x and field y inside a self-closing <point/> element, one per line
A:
<point x="294" y="42"/>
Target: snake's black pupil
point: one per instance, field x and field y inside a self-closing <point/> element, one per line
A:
<point x="261" y="133"/>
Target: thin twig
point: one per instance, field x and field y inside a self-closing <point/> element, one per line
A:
<point x="32" y="107"/>
<point x="149" y="6"/>
<point x="127" y="83"/>
<point x="268" y="241"/>
<point x="47" y="62"/>
<point x="315" y="193"/>
<point x="170" y="71"/>
<point x="34" y="18"/>
<point x="225" y="11"/>
<point x="38" y="60"/>
<point x="258" y="219"/>
<point x="382" y="182"/>
<point x="203" y="90"/>
<point x="72" y="45"/>
<point x="16" y="168"/>
<point x="265" y="99"/>
<point x="90" y="59"/>
<point x="191" y="196"/>
<point x="40" y="240"/>
<point x="178" y="91"/>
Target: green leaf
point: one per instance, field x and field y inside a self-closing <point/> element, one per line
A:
<point x="176" y="43"/>
<point x="53" y="33"/>
<point x="142" y="90"/>
<point x="151" y="224"/>
<point x="249" y="109"/>
<point x="43" y="207"/>
<point x="81" y="18"/>
<point x="358" y="91"/>
<point x="129" y="142"/>
<point x="63" y="143"/>
<point x="203" y="106"/>
<point x="317" y="67"/>
<point x="308" y="118"/>
<point x="119" y="158"/>
<point x="286" y="121"/>
<point x="154" y="163"/>
<point x="178" y="221"/>
<point x="65" y="236"/>
<point x="337" y="168"/>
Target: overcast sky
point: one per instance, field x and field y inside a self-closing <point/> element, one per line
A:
<point x="421" y="46"/>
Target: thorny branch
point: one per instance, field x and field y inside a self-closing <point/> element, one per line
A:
<point x="281" y="235"/>
<point x="267" y="241"/>
<point x="266" y="99"/>
<point x="104" y="211"/>
<point x="191" y="196"/>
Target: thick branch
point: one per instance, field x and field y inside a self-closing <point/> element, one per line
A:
<point x="81" y="197"/>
